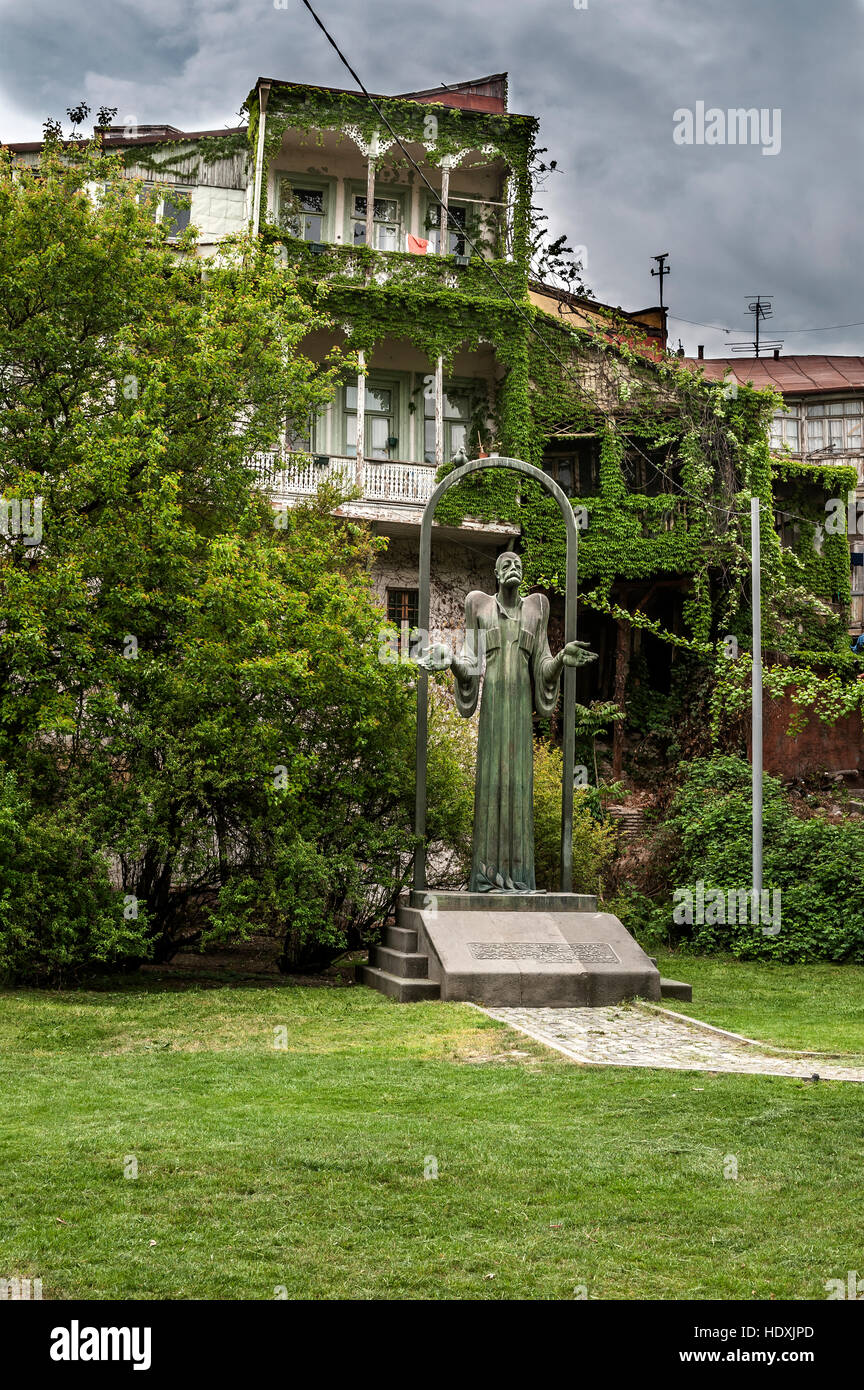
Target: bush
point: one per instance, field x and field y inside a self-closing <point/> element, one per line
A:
<point x="818" y="866"/>
<point x="59" y="914"/>
<point x="593" y="839"/>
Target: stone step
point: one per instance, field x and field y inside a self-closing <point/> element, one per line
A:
<point x="409" y="965"/>
<point x="676" y="989"/>
<point x="400" y="938"/>
<point x="400" y="989"/>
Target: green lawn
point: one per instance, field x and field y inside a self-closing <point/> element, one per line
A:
<point x="818" y="1008"/>
<point x="304" y="1168"/>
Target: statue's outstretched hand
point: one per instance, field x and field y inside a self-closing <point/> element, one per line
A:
<point x="437" y="657"/>
<point x="577" y="654"/>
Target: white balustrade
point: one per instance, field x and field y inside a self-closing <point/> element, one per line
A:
<point x="287" y="475"/>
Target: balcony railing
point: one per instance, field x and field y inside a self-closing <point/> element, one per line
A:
<point x="292" y="476"/>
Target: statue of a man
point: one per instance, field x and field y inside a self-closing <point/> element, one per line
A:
<point x="521" y="675"/>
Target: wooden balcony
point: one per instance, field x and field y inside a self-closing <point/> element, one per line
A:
<point x="391" y="491"/>
<point x="290" y="477"/>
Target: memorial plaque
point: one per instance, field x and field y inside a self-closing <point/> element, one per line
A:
<point x="590" y="952"/>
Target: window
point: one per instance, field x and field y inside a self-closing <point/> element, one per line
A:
<point x="577" y="473"/>
<point x="784" y="430"/>
<point x="387" y="222"/>
<point x="457" y="416"/>
<point x="834" y="425"/>
<point x="457" y="213"/>
<point x="403" y="607"/>
<point x="172" y="206"/>
<point x="380" y="421"/>
<point x="177" y="210"/>
<point x="303" y="211"/>
<point x="299" y="437"/>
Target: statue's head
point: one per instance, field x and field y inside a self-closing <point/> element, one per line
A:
<point x="508" y="568"/>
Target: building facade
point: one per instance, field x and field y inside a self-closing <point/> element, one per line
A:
<point x="821" y="422"/>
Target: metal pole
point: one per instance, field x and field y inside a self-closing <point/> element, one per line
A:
<point x="756" y="737"/>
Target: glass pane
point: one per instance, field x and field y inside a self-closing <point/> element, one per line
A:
<point x="359" y="233"/>
<point x="310" y="199"/>
<point x="852" y="407"/>
<point x="176" y="217"/>
<point x="377" y="399"/>
<point x="351" y="435"/>
<point x="456" y="405"/>
<point x="853" y="434"/>
<point x="298" y="439"/>
<point x="350" y="397"/>
<point x="458" y="439"/>
<point x="359" y="205"/>
<point x="429" y="442"/>
<point x="313" y="228"/>
<point x="816" y="410"/>
<point x="384" y="209"/>
<point x="835" y="408"/>
<point x="835" y="434"/>
<point x="378" y="431"/>
<point x="387" y="238"/>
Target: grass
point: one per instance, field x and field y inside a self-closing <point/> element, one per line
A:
<point x="302" y="1169"/>
<point x="811" y="1008"/>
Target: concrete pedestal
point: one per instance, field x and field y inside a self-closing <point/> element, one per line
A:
<point x="544" y="950"/>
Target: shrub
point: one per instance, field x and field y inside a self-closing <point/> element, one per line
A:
<point x="59" y="914"/>
<point x="818" y="866"/>
<point x="593" y="839"/>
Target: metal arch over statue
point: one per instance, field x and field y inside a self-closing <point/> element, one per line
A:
<point x="502" y="942"/>
<point x="512" y="634"/>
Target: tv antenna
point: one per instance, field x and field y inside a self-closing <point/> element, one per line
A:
<point x="760" y="307"/>
<point x="662" y="270"/>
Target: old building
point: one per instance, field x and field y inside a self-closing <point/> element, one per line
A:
<point x="821" y="424"/>
<point x="410" y="219"/>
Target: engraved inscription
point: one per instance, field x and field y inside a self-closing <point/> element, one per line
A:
<point x="589" y="952"/>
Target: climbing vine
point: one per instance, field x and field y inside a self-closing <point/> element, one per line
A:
<point x="678" y="456"/>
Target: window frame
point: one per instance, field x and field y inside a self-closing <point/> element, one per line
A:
<point x="834" y="412"/>
<point x="384" y="381"/>
<point x="406" y="603"/>
<point x="398" y="193"/>
<point x="452" y="385"/>
<point x="161" y="189"/>
<point x="318" y="183"/>
<point x="432" y="232"/>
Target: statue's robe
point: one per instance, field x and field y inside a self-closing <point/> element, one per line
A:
<point x="519" y="676"/>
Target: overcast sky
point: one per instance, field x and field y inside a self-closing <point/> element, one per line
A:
<point x="605" y="81"/>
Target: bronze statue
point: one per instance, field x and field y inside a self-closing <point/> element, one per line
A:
<point x="521" y="674"/>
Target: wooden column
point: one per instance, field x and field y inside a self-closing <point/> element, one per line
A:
<point x="361" y="418"/>
<point x="370" y="191"/>
<point x="444" y="229"/>
<point x="439" y="412"/>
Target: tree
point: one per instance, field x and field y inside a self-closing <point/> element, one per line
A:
<point x="192" y="676"/>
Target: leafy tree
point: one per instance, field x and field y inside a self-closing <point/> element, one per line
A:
<point x="190" y="677"/>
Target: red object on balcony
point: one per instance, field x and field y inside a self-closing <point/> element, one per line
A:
<point x="417" y="245"/>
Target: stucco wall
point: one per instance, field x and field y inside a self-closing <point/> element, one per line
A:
<point x="456" y="570"/>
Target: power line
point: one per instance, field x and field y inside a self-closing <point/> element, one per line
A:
<point x="701" y="501"/>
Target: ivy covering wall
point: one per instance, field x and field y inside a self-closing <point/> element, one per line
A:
<point x="704" y="445"/>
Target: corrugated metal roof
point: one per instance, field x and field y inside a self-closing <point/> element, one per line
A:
<point x="794" y="376"/>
